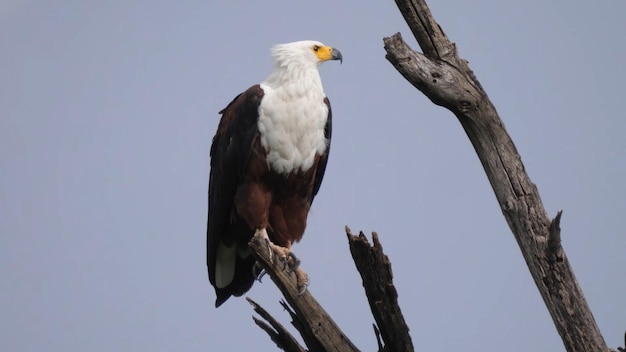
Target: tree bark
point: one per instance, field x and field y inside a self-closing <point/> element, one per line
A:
<point x="375" y="269"/>
<point x="446" y="79"/>
<point x="317" y="328"/>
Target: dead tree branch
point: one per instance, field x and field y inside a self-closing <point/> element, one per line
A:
<point x="275" y="330"/>
<point x="446" y="79"/>
<point x="375" y="269"/>
<point x="319" y="331"/>
<point x="317" y="328"/>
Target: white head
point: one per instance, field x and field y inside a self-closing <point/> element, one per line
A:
<point x="303" y="54"/>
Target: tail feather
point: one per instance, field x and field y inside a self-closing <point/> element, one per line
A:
<point x="225" y="265"/>
<point x="242" y="280"/>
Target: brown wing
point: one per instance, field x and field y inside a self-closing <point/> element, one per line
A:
<point x="230" y="151"/>
<point x="321" y="166"/>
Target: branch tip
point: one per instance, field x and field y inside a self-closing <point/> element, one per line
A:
<point x="263" y="325"/>
<point x="554" y="233"/>
<point x="375" y="270"/>
<point x="274" y="329"/>
<point x="252" y="302"/>
<point x="376" y="241"/>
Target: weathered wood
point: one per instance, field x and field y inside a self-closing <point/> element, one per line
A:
<point x="317" y="328"/>
<point x="375" y="269"/>
<point x="447" y="80"/>
<point x="275" y="330"/>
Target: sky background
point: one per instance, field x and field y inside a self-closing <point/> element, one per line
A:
<point x="107" y="110"/>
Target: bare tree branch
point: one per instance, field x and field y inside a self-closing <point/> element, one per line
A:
<point x="375" y="269"/>
<point x="318" y="330"/>
<point x="447" y="80"/>
<point x="275" y="330"/>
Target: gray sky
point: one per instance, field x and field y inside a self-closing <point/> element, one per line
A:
<point x="107" y="113"/>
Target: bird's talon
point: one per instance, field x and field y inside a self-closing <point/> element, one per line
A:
<point x="258" y="272"/>
<point x="261" y="274"/>
<point x="295" y="262"/>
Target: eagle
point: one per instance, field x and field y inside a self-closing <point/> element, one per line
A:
<point x="268" y="159"/>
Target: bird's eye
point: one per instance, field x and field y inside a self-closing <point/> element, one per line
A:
<point x="316" y="47"/>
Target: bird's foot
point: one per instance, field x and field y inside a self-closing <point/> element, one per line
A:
<point x="291" y="263"/>
<point x="268" y="243"/>
<point x="286" y="256"/>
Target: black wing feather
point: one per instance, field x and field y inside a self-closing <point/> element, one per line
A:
<point x="230" y="151"/>
<point x="321" y="166"/>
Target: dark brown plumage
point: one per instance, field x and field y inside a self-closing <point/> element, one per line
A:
<point x="268" y="159"/>
<point x="245" y="194"/>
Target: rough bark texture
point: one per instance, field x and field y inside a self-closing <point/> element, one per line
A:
<point x="318" y="330"/>
<point x="447" y="80"/>
<point x="375" y="269"/>
<point x="275" y="330"/>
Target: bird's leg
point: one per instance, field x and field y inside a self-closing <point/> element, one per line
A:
<point x="283" y="253"/>
<point x="268" y="243"/>
<point x="291" y="263"/>
<point x="257" y="271"/>
<point x="289" y="259"/>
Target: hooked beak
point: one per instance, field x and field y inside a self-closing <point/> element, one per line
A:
<point x="336" y="55"/>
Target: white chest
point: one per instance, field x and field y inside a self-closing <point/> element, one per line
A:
<point x="291" y="125"/>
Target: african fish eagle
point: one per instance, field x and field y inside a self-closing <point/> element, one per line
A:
<point x="268" y="159"/>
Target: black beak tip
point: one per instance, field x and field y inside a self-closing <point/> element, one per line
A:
<point x="336" y="55"/>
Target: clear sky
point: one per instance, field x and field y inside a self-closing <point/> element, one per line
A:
<point x="107" y="110"/>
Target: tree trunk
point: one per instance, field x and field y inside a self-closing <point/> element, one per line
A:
<point x="446" y="79"/>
